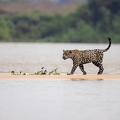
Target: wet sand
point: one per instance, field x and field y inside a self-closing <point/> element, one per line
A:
<point x="64" y="76"/>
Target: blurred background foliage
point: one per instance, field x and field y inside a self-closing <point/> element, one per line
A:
<point x="92" y="21"/>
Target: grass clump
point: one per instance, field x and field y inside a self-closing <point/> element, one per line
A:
<point x="54" y="72"/>
<point x="43" y="71"/>
<point x="20" y="73"/>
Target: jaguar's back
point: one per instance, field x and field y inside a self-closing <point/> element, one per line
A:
<point x="88" y="56"/>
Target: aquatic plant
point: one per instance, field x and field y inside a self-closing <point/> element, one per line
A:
<point x="41" y="72"/>
<point x="54" y="72"/>
<point x="13" y="72"/>
<point x="24" y="73"/>
<point x="20" y="73"/>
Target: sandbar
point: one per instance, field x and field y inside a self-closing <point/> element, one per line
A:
<point x="63" y="76"/>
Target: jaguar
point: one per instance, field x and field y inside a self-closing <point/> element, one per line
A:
<point x="81" y="57"/>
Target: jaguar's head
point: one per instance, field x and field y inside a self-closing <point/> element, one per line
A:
<point x="67" y="54"/>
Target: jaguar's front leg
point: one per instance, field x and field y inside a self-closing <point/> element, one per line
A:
<point x="73" y="69"/>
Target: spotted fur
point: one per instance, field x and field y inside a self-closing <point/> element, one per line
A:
<point x="86" y="56"/>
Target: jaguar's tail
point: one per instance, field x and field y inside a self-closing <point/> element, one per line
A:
<point x="108" y="45"/>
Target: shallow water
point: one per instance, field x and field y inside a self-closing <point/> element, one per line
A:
<point x="37" y="99"/>
<point x="30" y="57"/>
<point x="47" y="99"/>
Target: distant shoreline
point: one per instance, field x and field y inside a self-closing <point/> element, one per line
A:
<point x="44" y="7"/>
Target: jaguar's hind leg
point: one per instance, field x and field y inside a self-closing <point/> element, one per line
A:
<point x="82" y="69"/>
<point x="101" y="69"/>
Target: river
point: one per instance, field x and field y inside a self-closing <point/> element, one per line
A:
<point x="57" y="99"/>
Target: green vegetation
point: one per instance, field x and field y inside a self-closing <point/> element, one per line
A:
<point x="54" y="72"/>
<point x="20" y="73"/>
<point x="43" y="71"/>
<point x="94" y="21"/>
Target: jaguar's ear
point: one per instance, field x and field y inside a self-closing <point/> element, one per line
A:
<point x="70" y="51"/>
